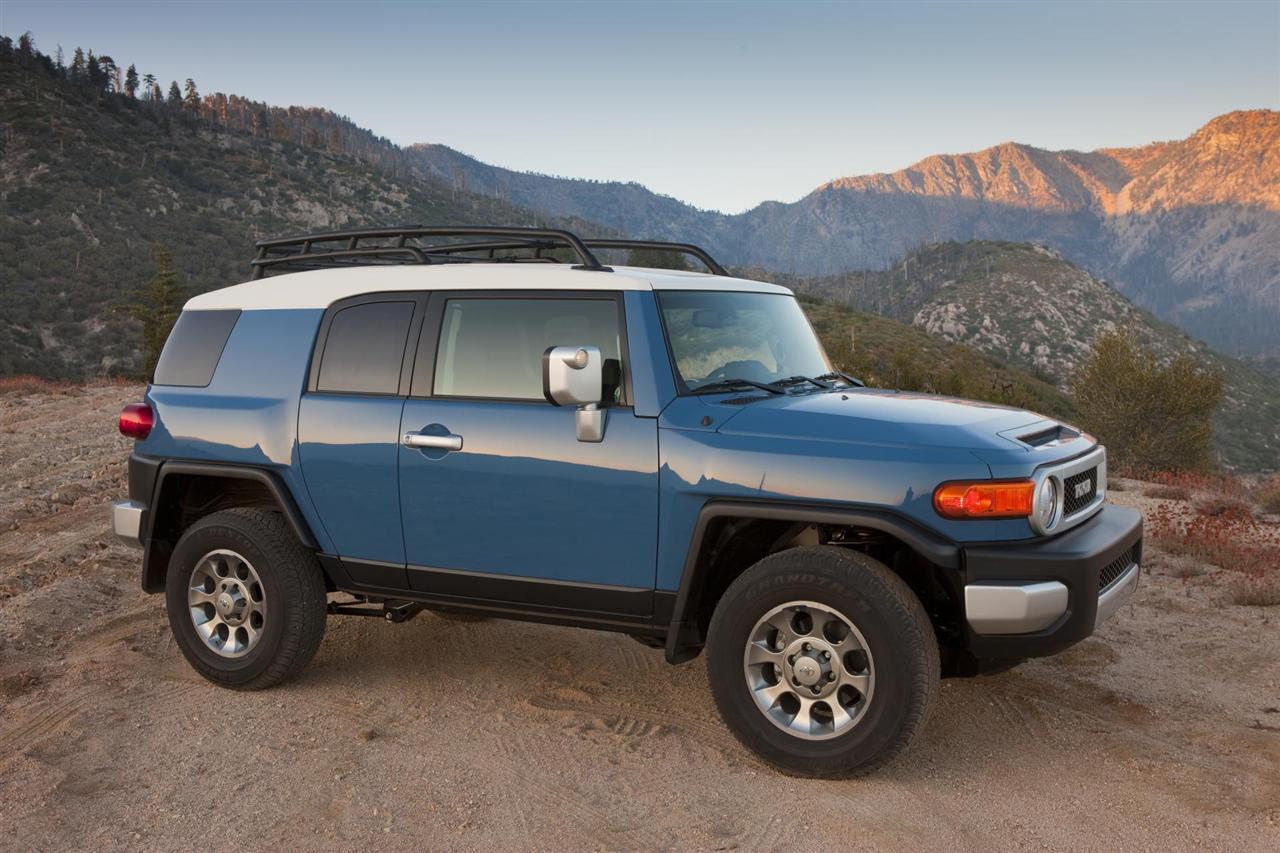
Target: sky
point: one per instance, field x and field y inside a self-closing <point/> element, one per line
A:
<point x="723" y="105"/>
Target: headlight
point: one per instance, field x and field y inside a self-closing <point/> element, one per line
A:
<point x="1046" y="509"/>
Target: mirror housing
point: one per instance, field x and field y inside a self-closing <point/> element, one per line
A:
<point x="575" y="376"/>
<point x="572" y="375"/>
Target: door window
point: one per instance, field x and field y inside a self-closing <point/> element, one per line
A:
<point x="492" y="348"/>
<point x="364" y="350"/>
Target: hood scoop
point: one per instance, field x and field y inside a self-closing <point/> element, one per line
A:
<point x="1041" y="435"/>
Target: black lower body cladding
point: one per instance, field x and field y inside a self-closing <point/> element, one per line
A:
<point x="1075" y="559"/>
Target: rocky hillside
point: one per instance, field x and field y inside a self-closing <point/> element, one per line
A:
<point x="1188" y="229"/>
<point x="89" y="182"/>
<point x="1027" y="306"/>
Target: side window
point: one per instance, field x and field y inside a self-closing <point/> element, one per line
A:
<point x="493" y="348"/>
<point x="364" y="349"/>
<point x="194" y="348"/>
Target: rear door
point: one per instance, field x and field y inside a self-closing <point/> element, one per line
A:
<point x="348" y="429"/>
<point x="520" y="511"/>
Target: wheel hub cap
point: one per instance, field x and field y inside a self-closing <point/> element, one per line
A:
<point x="809" y="670"/>
<point x="227" y="604"/>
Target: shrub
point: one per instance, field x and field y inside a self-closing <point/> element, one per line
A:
<point x="1151" y="416"/>
<point x="1166" y="493"/>
<point x="1269" y="495"/>
<point x="1224" y="506"/>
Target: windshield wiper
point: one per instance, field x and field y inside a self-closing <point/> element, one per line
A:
<point x="731" y="384"/>
<point x="836" y="374"/>
<point x="797" y="380"/>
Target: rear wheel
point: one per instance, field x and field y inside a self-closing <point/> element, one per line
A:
<point x="822" y="661"/>
<point x="246" y="601"/>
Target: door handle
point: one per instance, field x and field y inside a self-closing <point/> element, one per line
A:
<point x="438" y="442"/>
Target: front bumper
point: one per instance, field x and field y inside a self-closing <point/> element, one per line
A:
<point x="1033" y="599"/>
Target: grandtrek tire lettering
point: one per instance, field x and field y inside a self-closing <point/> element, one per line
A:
<point x="835" y="548"/>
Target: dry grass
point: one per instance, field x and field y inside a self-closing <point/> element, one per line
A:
<point x="1221" y="531"/>
<point x="1268" y="495"/>
<point x="1168" y="493"/>
<point x="26" y="384"/>
<point x="1255" y="592"/>
<point x="1224" y="507"/>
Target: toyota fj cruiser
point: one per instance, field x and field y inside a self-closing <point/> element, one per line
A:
<point x="492" y="421"/>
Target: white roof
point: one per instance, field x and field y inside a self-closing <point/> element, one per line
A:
<point x="321" y="288"/>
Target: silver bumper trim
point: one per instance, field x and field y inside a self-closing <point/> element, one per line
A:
<point x="1020" y="609"/>
<point x="1114" y="596"/>
<point x="126" y="521"/>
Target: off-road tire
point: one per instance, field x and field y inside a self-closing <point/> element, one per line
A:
<point x="293" y="586"/>
<point x="898" y="635"/>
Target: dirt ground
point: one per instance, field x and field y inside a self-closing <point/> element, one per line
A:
<point x="1161" y="732"/>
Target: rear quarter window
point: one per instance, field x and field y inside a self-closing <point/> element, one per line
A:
<point x="193" y="349"/>
<point x="364" y="349"/>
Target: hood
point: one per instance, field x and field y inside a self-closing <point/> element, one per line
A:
<point x="875" y="416"/>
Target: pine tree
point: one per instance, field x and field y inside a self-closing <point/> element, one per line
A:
<point x="26" y="48"/>
<point x="175" y="94"/>
<point x="78" y="66"/>
<point x="156" y="307"/>
<point x="110" y="73"/>
<point x="131" y="82"/>
<point x="150" y="89"/>
<point x="191" y="100"/>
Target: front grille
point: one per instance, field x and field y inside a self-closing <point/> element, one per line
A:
<point x="1112" y="571"/>
<point x="1087" y="484"/>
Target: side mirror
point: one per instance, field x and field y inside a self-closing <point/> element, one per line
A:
<point x="575" y="376"/>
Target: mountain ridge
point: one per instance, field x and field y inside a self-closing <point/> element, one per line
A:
<point x="1028" y="307"/>
<point x="1186" y="228"/>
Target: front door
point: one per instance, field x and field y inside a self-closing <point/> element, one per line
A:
<point x="510" y="506"/>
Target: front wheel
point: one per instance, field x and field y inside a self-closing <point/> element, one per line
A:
<point x="822" y="661"/>
<point x="246" y="601"/>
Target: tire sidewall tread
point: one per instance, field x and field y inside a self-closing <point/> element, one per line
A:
<point x="293" y="586"/>
<point x="899" y="636"/>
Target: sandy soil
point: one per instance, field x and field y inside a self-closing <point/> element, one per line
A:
<point x="1162" y="732"/>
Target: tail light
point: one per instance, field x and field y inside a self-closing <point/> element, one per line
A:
<point x="136" y="420"/>
<point x="985" y="499"/>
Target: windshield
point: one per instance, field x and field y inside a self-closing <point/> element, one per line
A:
<point x="718" y="337"/>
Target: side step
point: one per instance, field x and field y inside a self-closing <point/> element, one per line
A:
<point x="389" y="609"/>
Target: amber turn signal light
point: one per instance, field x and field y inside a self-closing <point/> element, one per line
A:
<point x="985" y="499"/>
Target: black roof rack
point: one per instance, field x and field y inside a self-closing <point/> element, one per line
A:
<point x="367" y="246"/>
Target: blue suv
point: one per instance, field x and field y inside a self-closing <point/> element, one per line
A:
<point x="491" y="421"/>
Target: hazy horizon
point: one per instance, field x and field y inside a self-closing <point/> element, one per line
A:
<point x="721" y="105"/>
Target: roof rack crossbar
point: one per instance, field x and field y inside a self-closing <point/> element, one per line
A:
<point x="301" y="252"/>
<point x="308" y="260"/>
<point x="539" y="246"/>
<point x="661" y="246"/>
